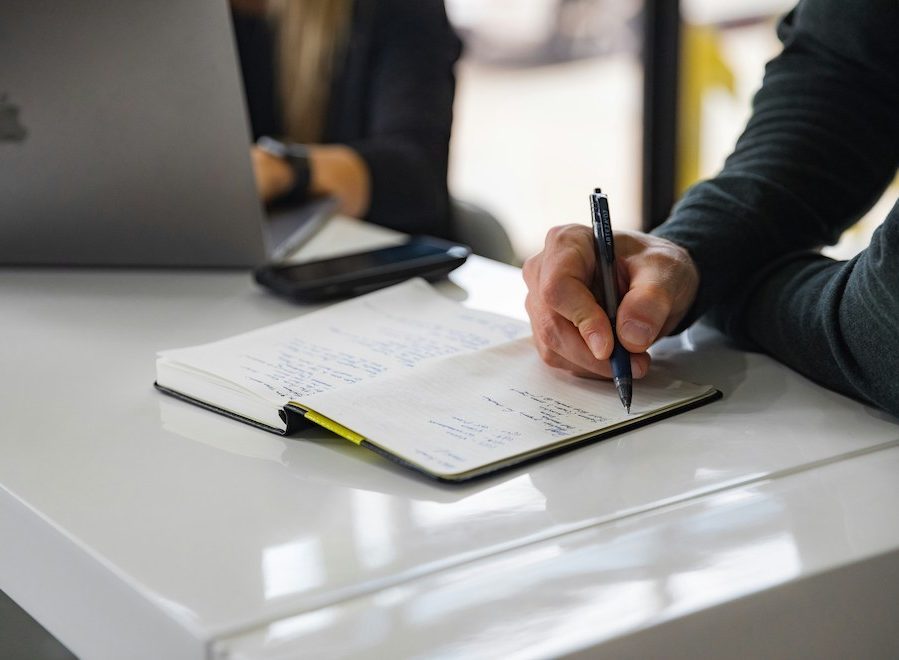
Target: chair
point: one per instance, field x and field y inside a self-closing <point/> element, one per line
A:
<point x="482" y="232"/>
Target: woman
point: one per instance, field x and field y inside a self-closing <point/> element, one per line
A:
<point x="366" y="86"/>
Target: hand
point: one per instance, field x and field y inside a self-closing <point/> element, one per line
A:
<point x="274" y="176"/>
<point x="571" y="330"/>
<point x="339" y="171"/>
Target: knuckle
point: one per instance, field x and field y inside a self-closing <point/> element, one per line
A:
<point x="552" y="233"/>
<point x="627" y="242"/>
<point x="566" y="234"/>
<point x="555" y="233"/>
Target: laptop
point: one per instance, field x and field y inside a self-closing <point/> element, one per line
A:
<point x="124" y="139"/>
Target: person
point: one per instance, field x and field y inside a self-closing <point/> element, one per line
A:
<point x="367" y="86"/>
<point x="820" y="147"/>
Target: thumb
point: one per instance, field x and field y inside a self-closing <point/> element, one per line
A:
<point x="645" y="309"/>
<point x="663" y="280"/>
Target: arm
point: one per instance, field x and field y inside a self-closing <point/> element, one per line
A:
<point x="395" y="174"/>
<point x="407" y="145"/>
<point x="835" y="322"/>
<point x="821" y="145"/>
<point x="335" y="170"/>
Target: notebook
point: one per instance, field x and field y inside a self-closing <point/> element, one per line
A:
<point x="450" y="392"/>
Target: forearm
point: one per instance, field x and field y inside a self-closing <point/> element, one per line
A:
<point x="835" y="322"/>
<point x="409" y="116"/>
<point x="821" y="144"/>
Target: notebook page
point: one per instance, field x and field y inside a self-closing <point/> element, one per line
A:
<point x="347" y="343"/>
<point x="454" y="415"/>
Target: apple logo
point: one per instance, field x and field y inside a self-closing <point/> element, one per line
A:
<point x="11" y="130"/>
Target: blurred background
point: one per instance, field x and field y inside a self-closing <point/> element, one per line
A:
<point x="549" y="105"/>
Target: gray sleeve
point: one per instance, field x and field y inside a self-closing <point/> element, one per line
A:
<point x="836" y="322"/>
<point x="821" y="146"/>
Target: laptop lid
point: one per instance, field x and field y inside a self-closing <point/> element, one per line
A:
<point x="124" y="138"/>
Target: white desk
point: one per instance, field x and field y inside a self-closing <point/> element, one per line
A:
<point x="135" y="526"/>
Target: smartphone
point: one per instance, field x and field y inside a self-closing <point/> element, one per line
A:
<point x="353" y="274"/>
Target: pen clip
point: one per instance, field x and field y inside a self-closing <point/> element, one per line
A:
<point x="602" y="226"/>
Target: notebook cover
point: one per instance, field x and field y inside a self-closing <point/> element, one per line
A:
<point x="292" y="418"/>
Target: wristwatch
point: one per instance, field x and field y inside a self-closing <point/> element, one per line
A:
<point x="295" y="155"/>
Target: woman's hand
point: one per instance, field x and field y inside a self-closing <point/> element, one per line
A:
<point x="336" y="171"/>
<point x="340" y="172"/>
<point x="274" y="176"/>
<point x="572" y="331"/>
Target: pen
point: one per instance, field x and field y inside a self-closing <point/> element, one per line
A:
<point x="604" y="247"/>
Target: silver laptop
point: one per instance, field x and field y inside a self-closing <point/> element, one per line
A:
<point x="124" y="139"/>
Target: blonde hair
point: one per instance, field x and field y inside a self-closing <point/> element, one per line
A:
<point x="311" y="34"/>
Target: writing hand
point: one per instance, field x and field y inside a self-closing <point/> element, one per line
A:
<point x="572" y="332"/>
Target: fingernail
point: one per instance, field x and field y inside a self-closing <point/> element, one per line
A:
<point x="597" y="345"/>
<point x="636" y="333"/>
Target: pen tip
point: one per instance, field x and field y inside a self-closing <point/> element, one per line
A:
<point x="628" y="408"/>
<point x="597" y="190"/>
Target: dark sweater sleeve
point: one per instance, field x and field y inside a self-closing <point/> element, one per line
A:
<point x="822" y="144"/>
<point x="836" y="322"/>
<point x="406" y="146"/>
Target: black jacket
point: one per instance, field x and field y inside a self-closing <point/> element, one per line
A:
<point x="391" y="101"/>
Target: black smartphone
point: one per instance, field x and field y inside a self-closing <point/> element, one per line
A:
<point x="360" y="272"/>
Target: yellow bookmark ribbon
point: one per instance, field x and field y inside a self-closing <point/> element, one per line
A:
<point x="334" y="427"/>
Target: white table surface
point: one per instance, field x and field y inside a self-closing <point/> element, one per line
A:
<point x="133" y="525"/>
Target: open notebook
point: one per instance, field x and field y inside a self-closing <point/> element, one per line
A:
<point x="449" y="391"/>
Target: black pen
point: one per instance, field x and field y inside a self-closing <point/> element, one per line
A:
<point x="604" y="246"/>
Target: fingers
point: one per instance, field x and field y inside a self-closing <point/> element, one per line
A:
<point x="566" y="319"/>
<point x="662" y="285"/>
<point x="574" y="303"/>
<point x="559" y="342"/>
<point x="572" y="332"/>
<point x="600" y="369"/>
<point x="643" y="312"/>
<point x="639" y="367"/>
<point x="564" y="286"/>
